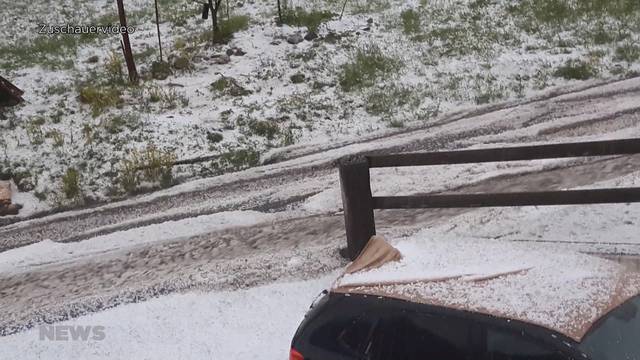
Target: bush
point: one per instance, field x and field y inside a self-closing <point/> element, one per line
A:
<point x="367" y="65"/>
<point x="311" y="20"/>
<point x="71" y="183"/>
<point x="214" y="137"/>
<point x="575" y="70"/>
<point x="226" y="29"/>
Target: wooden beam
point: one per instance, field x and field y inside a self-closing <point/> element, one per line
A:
<point x="535" y="152"/>
<point x="569" y="197"/>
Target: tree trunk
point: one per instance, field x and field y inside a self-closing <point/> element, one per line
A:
<point x="126" y="45"/>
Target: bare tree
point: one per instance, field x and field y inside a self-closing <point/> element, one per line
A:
<point x="212" y="6"/>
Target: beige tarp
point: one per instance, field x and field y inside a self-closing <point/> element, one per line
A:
<point x="5" y="193"/>
<point x="376" y="253"/>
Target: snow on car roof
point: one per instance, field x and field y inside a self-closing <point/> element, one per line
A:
<point x="565" y="290"/>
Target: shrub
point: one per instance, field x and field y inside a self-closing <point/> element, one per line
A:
<point x="575" y="70"/>
<point x="367" y="65"/>
<point x="71" y="183"/>
<point x="226" y="29"/>
<point x="264" y="128"/>
<point x="311" y="20"/>
<point x="214" y="137"/>
<point x="228" y="86"/>
<point x="238" y="159"/>
<point x="152" y="164"/>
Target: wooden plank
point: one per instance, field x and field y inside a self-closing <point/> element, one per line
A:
<point x="358" y="204"/>
<point x="535" y="152"/>
<point x="569" y="197"/>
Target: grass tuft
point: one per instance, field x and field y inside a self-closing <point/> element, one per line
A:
<point x="368" y="64"/>
<point x="410" y="22"/>
<point x="311" y="20"/>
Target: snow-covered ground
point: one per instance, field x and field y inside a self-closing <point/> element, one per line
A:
<point x="427" y="59"/>
<point x="253" y="323"/>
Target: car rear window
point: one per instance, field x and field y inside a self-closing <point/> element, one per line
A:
<point x="418" y="336"/>
<point x="513" y="345"/>
<point x="617" y="336"/>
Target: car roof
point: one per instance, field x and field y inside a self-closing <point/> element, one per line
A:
<point x="565" y="291"/>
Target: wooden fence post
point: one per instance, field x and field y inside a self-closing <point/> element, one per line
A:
<point x="357" y="202"/>
<point x="126" y="45"/>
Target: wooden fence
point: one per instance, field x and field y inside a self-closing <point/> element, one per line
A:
<point x="359" y="203"/>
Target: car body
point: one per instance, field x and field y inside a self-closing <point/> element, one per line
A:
<point x="381" y="322"/>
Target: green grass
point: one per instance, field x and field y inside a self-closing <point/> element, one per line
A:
<point x="100" y="98"/>
<point x="562" y="12"/>
<point x="367" y="65"/>
<point x="237" y="159"/>
<point x="71" y="183"/>
<point x="311" y="20"/>
<point x="410" y="22"/>
<point x="388" y="100"/>
<point x="628" y="52"/>
<point x="52" y="52"/>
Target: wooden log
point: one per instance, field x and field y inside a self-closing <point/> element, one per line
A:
<point x="357" y="203"/>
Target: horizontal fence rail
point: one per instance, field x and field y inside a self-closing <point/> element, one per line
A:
<point x="535" y="152"/>
<point x="359" y="203"/>
<point x="544" y="198"/>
